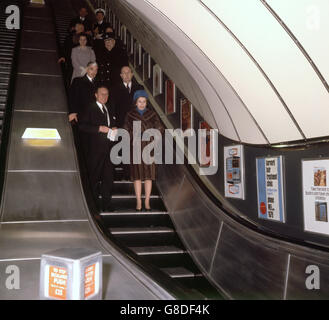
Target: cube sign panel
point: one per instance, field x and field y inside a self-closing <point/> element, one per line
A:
<point x="57" y="286"/>
<point x="71" y="274"/>
<point x="90" y="280"/>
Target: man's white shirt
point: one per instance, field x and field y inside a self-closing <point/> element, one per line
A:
<point x="100" y="106"/>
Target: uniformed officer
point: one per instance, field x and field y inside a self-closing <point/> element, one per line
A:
<point x="110" y="61"/>
<point x="100" y="27"/>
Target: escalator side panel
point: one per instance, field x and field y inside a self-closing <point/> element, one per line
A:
<point x="248" y="269"/>
<point x="56" y="191"/>
<point x="50" y="155"/>
<point x="29" y="62"/>
<point x="45" y="100"/>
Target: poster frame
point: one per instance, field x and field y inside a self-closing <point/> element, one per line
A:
<point x="174" y="98"/>
<point x="181" y="118"/>
<point x="242" y="172"/>
<point x="302" y="172"/>
<point x="159" y="90"/>
<point x="283" y="188"/>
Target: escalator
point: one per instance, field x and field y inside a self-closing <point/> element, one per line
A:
<point x="152" y="237"/>
<point x="42" y="204"/>
<point x="163" y="254"/>
<point x="149" y="237"/>
<point x="8" y="40"/>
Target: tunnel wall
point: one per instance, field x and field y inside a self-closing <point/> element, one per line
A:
<point x="176" y="68"/>
<point x="241" y="262"/>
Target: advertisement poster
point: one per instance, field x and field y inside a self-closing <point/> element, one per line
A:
<point x="114" y="21"/>
<point x="157" y="80"/>
<point x="170" y="97"/>
<point x="123" y="36"/>
<point x="129" y="39"/>
<point x="149" y="66"/>
<point x="270" y="188"/>
<point x="145" y="66"/>
<point x="140" y="55"/>
<point x="204" y="150"/>
<point x="118" y="28"/>
<point x="234" y="172"/>
<point x="186" y="114"/>
<point x="315" y="195"/>
<point x="135" y="48"/>
<point x="111" y="18"/>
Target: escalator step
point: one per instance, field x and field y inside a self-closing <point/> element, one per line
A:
<point x="6" y="54"/>
<point x="2" y="106"/>
<point x="131" y="196"/>
<point x="144" y="251"/>
<point x="141" y="237"/>
<point x="3" y="85"/>
<point x="173" y="261"/>
<point x="6" y="64"/>
<point x="5" y="44"/>
<point x="5" y="57"/>
<point x="136" y="219"/>
<point x="5" y="35"/>
<point x="202" y="285"/>
<point x="124" y="205"/>
<point x="134" y="213"/>
<point x="121" y="231"/>
<point x="7" y="50"/>
<point x="180" y="272"/>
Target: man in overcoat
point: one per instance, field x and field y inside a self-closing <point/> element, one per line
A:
<point x="97" y="120"/>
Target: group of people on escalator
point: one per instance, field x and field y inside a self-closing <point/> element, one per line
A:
<point x="103" y="97"/>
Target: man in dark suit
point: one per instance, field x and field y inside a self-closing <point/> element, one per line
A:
<point x="82" y="18"/>
<point x="81" y="95"/>
<point x="96" y="121"/>
<point x="122" y="94"/>
<point x="122" y="98"/>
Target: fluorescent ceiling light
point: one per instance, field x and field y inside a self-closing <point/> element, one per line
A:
<point x="42" y="134"/>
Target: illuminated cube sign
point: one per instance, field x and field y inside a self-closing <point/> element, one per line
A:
<point x="71" y="274"/>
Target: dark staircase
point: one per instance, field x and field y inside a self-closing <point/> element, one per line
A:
<point x="152" y="237"/>
<point x="7" y="52"/>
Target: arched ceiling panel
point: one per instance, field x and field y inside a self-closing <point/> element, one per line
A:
<point x="235" y="65"/>
<point x="308" y="20"/>
<point x="282" y="61"/>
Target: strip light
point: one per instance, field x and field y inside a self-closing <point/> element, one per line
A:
<point x="42" y="134"/>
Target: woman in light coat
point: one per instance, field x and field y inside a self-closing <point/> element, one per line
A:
<point x="81" y="56"/>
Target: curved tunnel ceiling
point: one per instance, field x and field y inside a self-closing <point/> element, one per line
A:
<point x="262" y="66"/>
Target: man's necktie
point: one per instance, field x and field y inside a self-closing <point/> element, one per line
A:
<point x="106" y="115"/>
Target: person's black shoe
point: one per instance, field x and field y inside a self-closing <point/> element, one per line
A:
<point x="139" y="210"/>
<point x="148" y="210"/>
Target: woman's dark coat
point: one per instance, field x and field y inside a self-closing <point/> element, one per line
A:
<point x="149" y="120"/>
